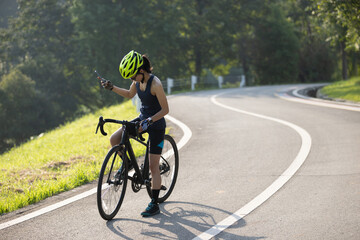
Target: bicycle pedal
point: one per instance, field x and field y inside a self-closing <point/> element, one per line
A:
<point x="163" y="188"/>
<point x="147" y="183"/>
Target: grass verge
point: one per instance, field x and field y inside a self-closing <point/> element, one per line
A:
<point x="60" y="160"/>
<point x="347" y="90"/>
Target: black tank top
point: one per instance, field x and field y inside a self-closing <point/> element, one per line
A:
<point x="150" y="104"/>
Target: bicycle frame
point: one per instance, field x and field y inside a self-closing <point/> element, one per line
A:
<point x="142" y="176"/>
<point x="125" y="141"/>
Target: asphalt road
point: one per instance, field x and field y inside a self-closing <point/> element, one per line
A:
<point x="231" y="158"/>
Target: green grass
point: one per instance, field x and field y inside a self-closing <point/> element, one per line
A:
<point x="60" y="160"/>
<point x="348" y="90"/>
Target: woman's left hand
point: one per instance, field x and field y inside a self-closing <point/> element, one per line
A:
<point x="144" y="125"/>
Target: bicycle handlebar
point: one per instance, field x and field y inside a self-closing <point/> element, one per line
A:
<point x="102" y="122"/>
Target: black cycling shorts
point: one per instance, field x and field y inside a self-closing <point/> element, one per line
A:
<point x="156" y="137"/>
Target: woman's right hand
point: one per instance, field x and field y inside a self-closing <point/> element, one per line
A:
<point x="107" y="84"/>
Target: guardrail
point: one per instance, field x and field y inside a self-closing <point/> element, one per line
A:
<point x="192" y="83"/>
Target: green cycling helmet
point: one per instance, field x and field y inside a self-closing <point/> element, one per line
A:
<point x="130" y="63"/>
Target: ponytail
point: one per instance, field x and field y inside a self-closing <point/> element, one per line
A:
<point x="147" y="65"/>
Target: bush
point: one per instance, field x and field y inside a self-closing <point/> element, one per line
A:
<point x="316" y="63"/>
<point x="21" y="109"/>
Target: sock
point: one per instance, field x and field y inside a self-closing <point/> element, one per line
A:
<point x="155" y="195"/>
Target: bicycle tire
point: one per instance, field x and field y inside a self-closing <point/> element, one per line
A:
<point x="112" y="183"/>
<point x="169" y="168"/>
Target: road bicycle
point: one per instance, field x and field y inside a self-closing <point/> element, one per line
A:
<point x="121" y="165"/>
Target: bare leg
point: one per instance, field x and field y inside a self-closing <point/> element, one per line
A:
<point x="155" y="171"/>
<point x="153" y="207"/>
<point x="115" y="138"/>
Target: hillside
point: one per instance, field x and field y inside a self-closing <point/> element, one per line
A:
<point x="58" y="160"/>
<point x="348" y="90"/>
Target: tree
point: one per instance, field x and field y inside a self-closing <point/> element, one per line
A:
<point x="39" y="40"/>
<point x="163" y="38"/>
<point x="276" y="59"/>
<point x="39" y="44"/>
<point x="342" y="23"/>
<point x="23" y="112"/>
<point x="316" y="58"/>
<point x="99" y="31"/>
<point x="242" y="18"/>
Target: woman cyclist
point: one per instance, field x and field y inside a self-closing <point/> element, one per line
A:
<point x="138" y="68"/>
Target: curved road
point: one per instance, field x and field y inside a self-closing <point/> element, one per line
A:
<point x="235" y="153"/>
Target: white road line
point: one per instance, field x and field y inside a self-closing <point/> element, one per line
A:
<point x="47" y="209"/>
<point x="186" y="137"/>
<point x="317" y="102"/>
<point x="184" y="128"/>
<point x="274" y="187"/>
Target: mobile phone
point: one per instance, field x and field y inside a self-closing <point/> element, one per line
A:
<point x="99" y="77"/>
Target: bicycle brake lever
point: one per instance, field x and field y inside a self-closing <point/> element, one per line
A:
<point x="97" y="128"/>
<point x="101" y="125"/>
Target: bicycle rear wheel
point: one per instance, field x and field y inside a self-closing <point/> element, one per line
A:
<point x="169" y="167"/>
<point x="112" y="183"/>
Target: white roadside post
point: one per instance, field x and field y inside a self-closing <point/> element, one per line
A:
<point x="220" y="80"/>
<point x="170" y="84"/>
<point x="193" y="82"/>
<point x="243" y="82"/>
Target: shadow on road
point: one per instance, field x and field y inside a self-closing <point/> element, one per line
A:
<point x="178" y="220"/>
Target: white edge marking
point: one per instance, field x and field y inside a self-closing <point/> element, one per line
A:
<point x="47" y="209"/>
<point x="186" y="137"/>
<point x="274" y="187"/>
<point x="187" y="132"/>
<point x="317" y="102"/>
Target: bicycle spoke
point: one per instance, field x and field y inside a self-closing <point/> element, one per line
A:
<point x="167" y="154"/>
<point x="112" y="185"/>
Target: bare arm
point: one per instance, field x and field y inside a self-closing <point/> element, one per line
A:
<point x="126" y="93"/>
<point x="158" y="91"/>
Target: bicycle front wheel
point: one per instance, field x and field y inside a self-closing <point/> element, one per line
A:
<point x="169" y="167"/>
<point x="112" y="183"/>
